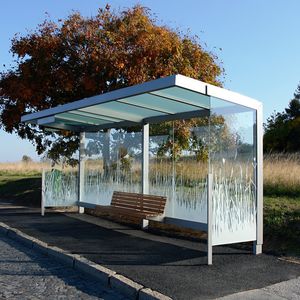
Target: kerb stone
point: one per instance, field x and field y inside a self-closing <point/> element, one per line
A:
<point x="61" y="255"/>
<point x="96" y="271"/>
<point x="148" y="294"/>
<point x="125" y="286"/>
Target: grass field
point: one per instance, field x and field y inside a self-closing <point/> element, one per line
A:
<point x="21" y="183"/>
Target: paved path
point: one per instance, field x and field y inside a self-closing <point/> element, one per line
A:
<point x="287" y="290"/>
<point x="174" y="267"/>
<point x="27" y="274"/>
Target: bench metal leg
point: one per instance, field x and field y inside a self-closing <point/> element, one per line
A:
<point x="145" y="224"/>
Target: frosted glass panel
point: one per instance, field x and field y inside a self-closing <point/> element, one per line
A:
<point x="233" y="166"/>
<point x="112" y="163"/>
<point x="191" y="169"/>
<point x="61" y="188"/>
<point x="179" y="167"/>
<point x="161" y="167"/>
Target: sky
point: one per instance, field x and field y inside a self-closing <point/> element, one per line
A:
<point x="259" y="42"/>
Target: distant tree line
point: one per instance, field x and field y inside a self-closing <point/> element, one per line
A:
<point x="282" y="130"/>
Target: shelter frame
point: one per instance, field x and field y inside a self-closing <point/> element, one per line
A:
<point x="162" y="100"/>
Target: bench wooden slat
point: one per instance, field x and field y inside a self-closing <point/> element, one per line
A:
<point x="134" y="205"/>
<point x="142" y="196"/>
<point x="137" y="194"/>
<point x="137" y="204"/>
<point x="124" y="211"/>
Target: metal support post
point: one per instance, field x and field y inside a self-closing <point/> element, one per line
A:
<point x="145" y="162"/>
<point x="209" y="219"/>
<point x="81" y="172"/>
<point x="257" y="247"/>
<point x="43" y="194"/>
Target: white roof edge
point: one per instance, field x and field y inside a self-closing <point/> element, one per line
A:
<point x="215" y="91"/>
<point x="233" y="97"/>
<point x="106" y="97"/>
<point x="190" y="83"/>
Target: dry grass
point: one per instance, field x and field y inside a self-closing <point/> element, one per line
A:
<point x="281" y="171"/>
<point x="21" y="168"/>
<point x="282" y="174"/>
<point x="24" y="168"/>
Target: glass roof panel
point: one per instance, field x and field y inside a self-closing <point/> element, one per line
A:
<point x="155" y="102"/>
<point x="96" y="110"/>
<point x="126" y="112"/>
<point x="185" y="96"/>
<point x="68" y="122"/>
<point x="81" y="119"/>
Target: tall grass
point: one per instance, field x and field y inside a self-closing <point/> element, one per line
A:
<point x="22" y="168"/>
<point x="282" y="174"/>
<point x="27" y="168"/>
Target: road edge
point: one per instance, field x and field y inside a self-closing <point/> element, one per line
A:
<point x="103" y="275"/>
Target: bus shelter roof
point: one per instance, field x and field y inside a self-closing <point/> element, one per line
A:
<point x="163" y="99"/>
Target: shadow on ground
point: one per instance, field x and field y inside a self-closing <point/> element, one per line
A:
<point x="21" y="191"/>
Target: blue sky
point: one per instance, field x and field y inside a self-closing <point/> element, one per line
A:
<point x="259" y="41"/>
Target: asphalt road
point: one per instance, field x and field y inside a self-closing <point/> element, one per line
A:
<point x="27" y="274"/>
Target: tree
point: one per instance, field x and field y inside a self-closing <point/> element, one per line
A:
<point x="26" y="159"/>
<point x="282" y="130"/>
<point x="60" y="62"/>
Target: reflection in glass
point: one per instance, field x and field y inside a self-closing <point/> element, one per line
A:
<point x="179" y="166"/>
<point x="233" y="166"/>
<point x="112" y="163"/>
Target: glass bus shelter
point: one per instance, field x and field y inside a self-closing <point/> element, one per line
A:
<point x="197" y="144"/>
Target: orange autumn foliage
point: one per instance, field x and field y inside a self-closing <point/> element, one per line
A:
<point x="60" y="62"/>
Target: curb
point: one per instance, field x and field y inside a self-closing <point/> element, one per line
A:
<point x="105" y="276"/>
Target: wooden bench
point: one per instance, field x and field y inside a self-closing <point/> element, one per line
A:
<point x="140" y="207"/>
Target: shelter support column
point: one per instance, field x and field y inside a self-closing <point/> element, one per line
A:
<point x="81" y="171"/>
<point x="209" y="219"/>
<point x="257" y="247"/>
<point x="43" y="193"/>
<point x="145" y="161"/>
<point x="145" y="166"/>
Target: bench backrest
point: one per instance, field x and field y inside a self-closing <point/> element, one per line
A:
<point x="151" y="204"/>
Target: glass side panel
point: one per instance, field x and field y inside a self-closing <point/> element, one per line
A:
<point x="112" y="163"/>
<point x="190" y="149"/>
<point x="159" y="103"/>
<point x="233" y="167"/>
<point x="179" y="167"/>
<point x="161" y="167"/>
<point x="184" y="95"/>
<point x="61" y="187"/>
